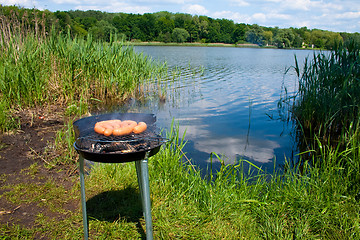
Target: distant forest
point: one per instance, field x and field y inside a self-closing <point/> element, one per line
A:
<point x="168" y="27"/>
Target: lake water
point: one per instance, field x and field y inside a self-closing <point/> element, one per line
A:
<point x="223" y="99"/>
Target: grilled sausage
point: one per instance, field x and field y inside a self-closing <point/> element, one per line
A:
<point x="119" y="128"/>
<point x="141" y="127"/>
<point x="108" y="131"/>
<point x="128" y="123"/>
<point x="106" y="127"/>
<point x="125" y="128"/>
<point x="116" y="123"/>
<point x="99" y="128"/>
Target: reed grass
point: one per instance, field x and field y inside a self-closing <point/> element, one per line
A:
<point x="327" y="100"/>
<point x="66" y="71"/>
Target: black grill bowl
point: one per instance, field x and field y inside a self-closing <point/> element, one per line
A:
<point x="116" y="157"/>
<point x="84" y="129"/>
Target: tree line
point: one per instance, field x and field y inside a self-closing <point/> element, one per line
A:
<point x="172" y="27"/>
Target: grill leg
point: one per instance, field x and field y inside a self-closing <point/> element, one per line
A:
<point x="144" y="187"/>
<point x="138" y="173"/>
<point x="83" y="200"/>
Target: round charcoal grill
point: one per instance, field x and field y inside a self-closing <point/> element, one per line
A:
<point x="133" y="147"/>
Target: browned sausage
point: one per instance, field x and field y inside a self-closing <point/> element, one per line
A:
<point x="126" y="128"/>
<point x="119" y="128"/>
<point x="106" y="127"/>
<point x="108" y="131"/>
<point x="99" y="128"/>
<point x="141" y="127"/>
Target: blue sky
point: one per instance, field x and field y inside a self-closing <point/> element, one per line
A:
<point x="332" y="15"/>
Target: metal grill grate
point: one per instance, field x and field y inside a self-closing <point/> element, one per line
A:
<point x="150" y="133"/>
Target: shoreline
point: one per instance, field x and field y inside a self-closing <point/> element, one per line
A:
<point x="195" y="44"/>
<point x="198" y="44"/>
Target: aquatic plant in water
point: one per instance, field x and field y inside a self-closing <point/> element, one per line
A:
<point x="327" y="99"/>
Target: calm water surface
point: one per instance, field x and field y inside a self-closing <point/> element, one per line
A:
<point x="223" y="99"/>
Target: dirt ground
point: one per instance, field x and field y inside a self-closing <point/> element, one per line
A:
<point x="20" y="150"/>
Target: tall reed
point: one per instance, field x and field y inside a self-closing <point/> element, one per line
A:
<point x="327" y="100"/>
<point x="63" y="70"/>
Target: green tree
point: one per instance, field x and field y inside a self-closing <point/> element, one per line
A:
<point x="268" y="37"/>
<point x="147" y="27"/>
<point x="87" y="22"/>
<point x="351" y="38"/>
<point x="255" y="35"/>
<point x="284" y="38"/>
<point x="318" y="38"/>
<point x="190" y="26"/>
<point x="180" y="20"/>
<point x="165" y="37"/>
<point x="214" y="31"/>
<point x="102" y="30"/>
<point x="164" y="23"/>
<point x="161" y="25"/>
<point x="121" y="24"/>
<point x="64" y="19"/>
<point x="239" y="34"/>
<point x="333" y="40"/>
<point x="180" y="35"/>
<point x="78" y="29"/>
<point x="203" y="27"/>
<point x="227" y="27"/>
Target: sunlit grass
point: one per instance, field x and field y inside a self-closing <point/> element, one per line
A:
<point x="306" y="201"/>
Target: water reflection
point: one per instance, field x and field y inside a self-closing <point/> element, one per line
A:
<point x="231" y="148"/>
<point x="222" y="98"/>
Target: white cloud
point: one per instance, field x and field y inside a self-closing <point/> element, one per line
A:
<point x="22" y="3"/>
<point x="239" y="3"/>
<point x="162" y="1"/>
<point x="305" y="5"/>
<point x="327" y="15"/>
<point x="113" y="6"/>
<point x="195" y="9"/>
<point x="67" y="1"/>
<point x="262" y="18"/>
<point x="259" y="18"/>
<point x="258" y="150"/>
<point x="348" y="15"/>
<point x="237" y="17"/>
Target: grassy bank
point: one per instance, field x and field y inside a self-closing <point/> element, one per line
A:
<point x="199" y="44"/>
<point x="315" y="202"/>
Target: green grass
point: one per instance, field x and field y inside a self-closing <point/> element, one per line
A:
<point x="304" y="202"/>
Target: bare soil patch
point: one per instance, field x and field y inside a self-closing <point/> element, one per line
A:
<point x="22" y="164"/>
